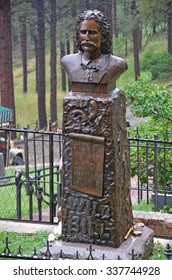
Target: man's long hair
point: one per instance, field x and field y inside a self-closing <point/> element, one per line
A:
<point x="106" y="46"/>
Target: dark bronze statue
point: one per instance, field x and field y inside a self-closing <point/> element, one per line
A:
<point x="96" y="205"/>
<point x="94" y="63"/>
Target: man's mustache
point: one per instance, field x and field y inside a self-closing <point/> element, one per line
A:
<point x="89" y="43"/>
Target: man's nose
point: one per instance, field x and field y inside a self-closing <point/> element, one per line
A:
<point x="87" y="36"/>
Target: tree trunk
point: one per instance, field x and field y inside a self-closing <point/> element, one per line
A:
<point x="136" y="45"/>
<point x="53" y="63"/>
<point x="136" y="39"/>
<point x="35" y="40"/>
<point x="62" y="53"/>
<point x="41" y="64"/>
<point x="23" y="39"/>
<point x="125" y="33"/>
<point x="75" y="50"/>
<point x="115" y="18"/>
<point x="6" y="70"/>
<point x="170" y="28"/>
<point x="68" y="52"/>
<point x="126" y="46"/>
<point x="154" y="28"/>
<point x="140" y="37"/>
<point x="107" y="10"/>
<point x="3" y="82"/>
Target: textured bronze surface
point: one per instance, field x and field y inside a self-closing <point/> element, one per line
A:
<point x="87" y="217"/>
<point x="91" y="88"/>
<point x="87" y="163"/>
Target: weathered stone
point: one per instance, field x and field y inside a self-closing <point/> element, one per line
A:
<point x="96" y="206"/>
<point x="160" y="223"/>
<point x="169" y="223"/>
<point x="141" y="246"/>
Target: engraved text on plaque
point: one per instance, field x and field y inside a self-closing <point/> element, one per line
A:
<point x="87" y="164"/>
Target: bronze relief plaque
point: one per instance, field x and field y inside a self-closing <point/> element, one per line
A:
<point x="87" y="164"/>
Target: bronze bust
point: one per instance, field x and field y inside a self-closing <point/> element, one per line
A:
<point x="93" y="64"/>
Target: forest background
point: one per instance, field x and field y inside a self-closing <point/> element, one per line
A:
<point x="35" y="34"/>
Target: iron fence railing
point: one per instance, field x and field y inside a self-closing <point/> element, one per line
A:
<point x="39" y="178"/>
<point x="151" y="165"/>
<point x="29" y="201"/>
<point x="44" y="190"/>
<point x="33" y="191"/>
<point x="89" y="253"/>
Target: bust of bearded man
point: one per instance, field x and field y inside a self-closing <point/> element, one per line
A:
<point x="94" y="63"/>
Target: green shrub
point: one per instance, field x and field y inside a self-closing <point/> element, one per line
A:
<point x="150" y="100"/>
<point x="156" y="63"/>
<point x="166" y="209"/>
<point x="157" y="252"/>
<point x="155" y="102"/>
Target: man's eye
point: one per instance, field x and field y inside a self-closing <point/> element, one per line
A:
<point x="92" y="32"/>
<point x="83" y="31"/>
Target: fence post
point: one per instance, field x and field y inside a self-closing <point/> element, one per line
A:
<point x="59" y="179"/>
<point x="39" y="194"/>
<point x="138" y="168"/>
<point x="51" y="163"/>
<point x="156" y="171"/>
<point x="2" y="166"/>
<point x="60" y="172"/>
<point x="19" y="183"/>
<point x="147" y="170"/>
<point x="7" y="149"/>
<point x="168" y="252"/>
<point x="26" y="159"/>
<point x="30" y="193"/>
<point x="165" y="175"/>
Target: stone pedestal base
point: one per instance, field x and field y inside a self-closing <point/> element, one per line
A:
<point x="96" y="205"/>
<point x="137" y="248"/>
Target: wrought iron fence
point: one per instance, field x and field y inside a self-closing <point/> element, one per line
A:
<point x="39" y="180"/>
<point x="32" y="190"/>
<point x="151" y="176"/>
<point x="151" y="182"/>
<point x="89" y="254"/>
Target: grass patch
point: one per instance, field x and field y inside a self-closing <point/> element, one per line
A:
<point x="144" y="206"/>
<point x="26" y="241"/>
<point x="8" y="196"/>
<point x="8" y="200"/>
<point x="38" y="239"/>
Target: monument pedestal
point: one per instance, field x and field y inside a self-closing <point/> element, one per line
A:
<point x="96" y="205"/>
<point x="137" y="248"/>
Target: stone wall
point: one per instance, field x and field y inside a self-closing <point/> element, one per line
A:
<point x="160" y="223"/>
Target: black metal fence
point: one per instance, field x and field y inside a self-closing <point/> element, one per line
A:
<point x="47" y="255"/>
<point x="151" y="172"/>
<point x="32" y="191"/>
<point x="89" y="253"/>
